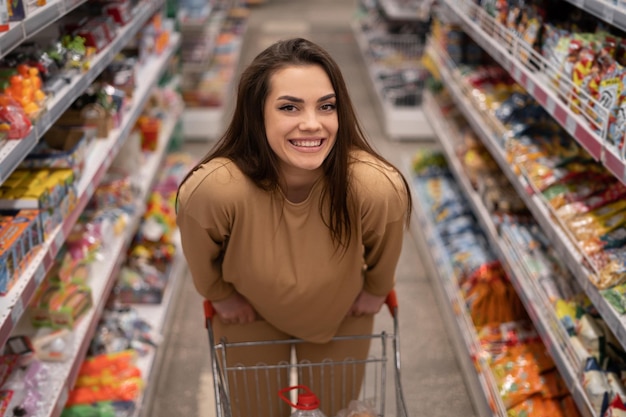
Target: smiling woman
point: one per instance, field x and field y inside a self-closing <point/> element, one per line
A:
<point x="292" y="225"/>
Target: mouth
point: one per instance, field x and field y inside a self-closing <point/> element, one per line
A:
<point x="307" y="143"/>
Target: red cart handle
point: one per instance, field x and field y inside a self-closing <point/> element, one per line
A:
<point x="391" y="301"/>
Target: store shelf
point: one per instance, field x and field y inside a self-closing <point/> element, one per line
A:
<point x="207" y="36"/>
<point x="400" y="123"/>
<point x="102" y="281"/>
<point x="544" y="82"/>
<point x="410" y="11"/>
<point x="207" y="123"/>
<point x="479" y="379"/>
<point x="100" y="158"/>
<point x="36" y="21"/>
<point x="540" y="210"/>
<point x="12" y="154"/>
<point x="541" y="312"/>
<point x="611" y="13"/>
<point x="156" y="316"/>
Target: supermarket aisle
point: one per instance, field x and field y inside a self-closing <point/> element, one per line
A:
<point x="432" y="381"/>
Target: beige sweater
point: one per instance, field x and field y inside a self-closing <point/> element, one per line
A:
<point x="279" y="255"/>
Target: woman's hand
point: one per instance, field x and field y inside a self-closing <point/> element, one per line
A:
<point x="366" y="303"/>
<point x="235" y="310"/>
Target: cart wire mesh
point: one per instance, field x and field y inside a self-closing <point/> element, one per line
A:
<point x="239" y="388"/>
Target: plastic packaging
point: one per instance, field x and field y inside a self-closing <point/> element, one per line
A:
<point x="307" y="405"/>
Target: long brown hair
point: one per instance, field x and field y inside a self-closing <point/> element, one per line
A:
<point x="245" y="142"/>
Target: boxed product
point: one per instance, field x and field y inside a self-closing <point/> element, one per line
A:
<point x="60" y="305"/>
<point x="20" y="233"/>
<point x="61" y="147"/>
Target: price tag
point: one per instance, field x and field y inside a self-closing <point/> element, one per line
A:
<point x="530" y="86"/>
<point x="17" y="311"/>
<point x="60" y="405"/>
<point x="517" y="73"/>
<point x="608" y="14"/>
<point x="550" y="105"/>
<point x="44" y="122"/>
<point x="570" y="125"/>
<point x="40" y="274"/>
<point x="59" y="240"/>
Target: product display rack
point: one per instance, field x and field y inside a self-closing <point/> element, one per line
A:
<point x="12" y="152"/>
<point x="405" y="11"/>
<point x="202" y="34"/>
<point x="539" y="77"/>
<point x="475" y="369"/>
<point x="35" y="21"/>
<point x="102" y="280"/>
<point x="609" y="12"/>
<point x="399" y="122"/>
<point x="156" y="316"/>
<point x="539" y="309"/>
<point x="12" y="305"/>
<point x="207" y="123"/>
<point x="539" y="208"/>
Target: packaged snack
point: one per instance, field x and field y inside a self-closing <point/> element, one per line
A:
<point x="595" y="385"/>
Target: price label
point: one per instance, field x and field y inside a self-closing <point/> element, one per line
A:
<point x="530" y="86"/>
<point x="17" y="311"/>
<point x="44" y="122"/>
<point x="550" y="105"/>
<point x="517" y="73"/>
<point x="40" y="274"/>
<point x="570" y="125"/>
<point x="60" y="405"/>
<point x="59" y="240"/>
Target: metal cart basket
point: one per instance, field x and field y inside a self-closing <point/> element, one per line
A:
<point x="375" y="391"/>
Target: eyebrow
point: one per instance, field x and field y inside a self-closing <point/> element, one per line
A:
<point x="299" y="100"/>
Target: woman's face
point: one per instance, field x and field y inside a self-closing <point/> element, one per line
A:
<point x="301" y="118"/>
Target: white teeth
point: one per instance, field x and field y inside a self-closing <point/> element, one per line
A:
<point x="307" y="143"/>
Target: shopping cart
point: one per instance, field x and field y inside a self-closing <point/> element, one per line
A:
<point x="373" y="390"/>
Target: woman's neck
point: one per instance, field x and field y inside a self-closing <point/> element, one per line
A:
<point x="297" y="186"/>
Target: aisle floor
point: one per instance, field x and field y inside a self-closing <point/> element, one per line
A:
<point x="431" y="378"/>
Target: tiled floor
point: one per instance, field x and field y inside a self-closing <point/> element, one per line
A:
<point x="432" y="382"/>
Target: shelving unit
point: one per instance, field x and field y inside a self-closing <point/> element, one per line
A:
<point x="400" y="122"/>
<point x="207" y="123"/>
<point x="540" y="77"/>
<point x="536" y="303"/>
<point x="39" y="19"/>
<point x="101" y="281"/>
<point x="479" y="379"/>
<point x="156" y="316"/>
<point x="609" y="12"/>
<point x="12" y="305"/>
<point x="14" y="151"/>
<point x="539" y="208"/>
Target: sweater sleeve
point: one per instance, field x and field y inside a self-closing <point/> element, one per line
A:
<point x="383" y="222"/>
<point x="204" y="223"/>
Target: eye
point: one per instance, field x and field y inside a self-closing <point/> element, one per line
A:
<point x="328" y="107"/>
<point x="288" y="108"/>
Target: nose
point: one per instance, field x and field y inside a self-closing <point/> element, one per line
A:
<point x="309" y="121"/>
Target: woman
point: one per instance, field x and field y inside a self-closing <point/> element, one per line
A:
<point x="292" y="225"/>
